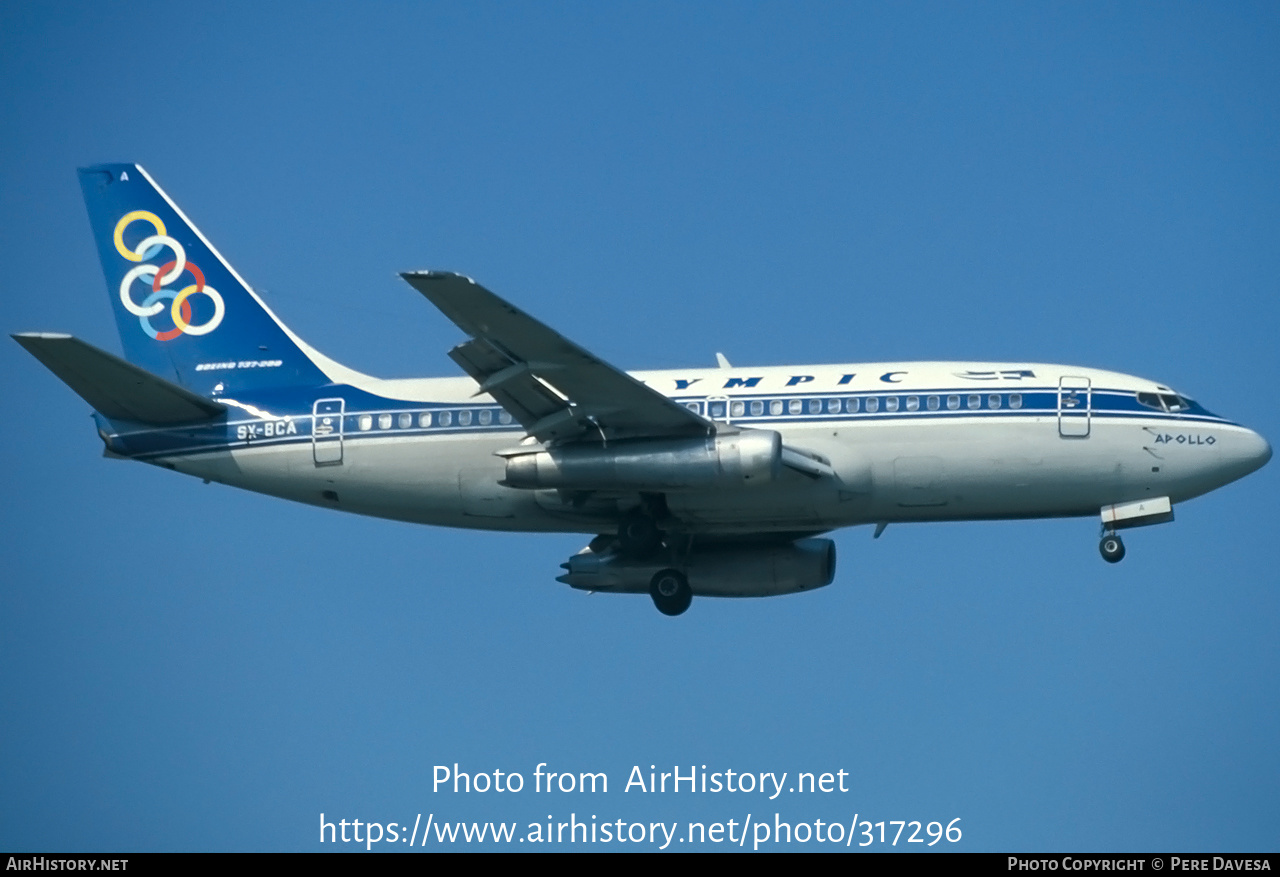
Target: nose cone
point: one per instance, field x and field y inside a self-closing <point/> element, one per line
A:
<point x="1257" y="451"/>
<point x="1245" y="452"/>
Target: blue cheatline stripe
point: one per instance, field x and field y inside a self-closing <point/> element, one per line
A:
<point x="160" y="442"/>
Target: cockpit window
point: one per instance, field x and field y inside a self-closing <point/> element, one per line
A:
<point x="1164" y="401"/>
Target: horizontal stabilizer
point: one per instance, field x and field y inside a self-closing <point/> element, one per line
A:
<point x="116" y="389"/>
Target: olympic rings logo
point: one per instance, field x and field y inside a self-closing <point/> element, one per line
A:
<point x="160" y="278"/>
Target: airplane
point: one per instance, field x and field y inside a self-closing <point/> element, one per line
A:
<point x="711" y="482"/>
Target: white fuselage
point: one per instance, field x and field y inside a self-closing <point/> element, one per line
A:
<point x="906" y="441"/>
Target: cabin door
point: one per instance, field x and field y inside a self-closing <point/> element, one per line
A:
<point x="1075" y="398"/>
<point x="326" y="432"/>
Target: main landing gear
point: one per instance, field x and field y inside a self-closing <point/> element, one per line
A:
<point x="640" y="538"/>
<point x="638" y="534"/>
<point x="670" y="591"/>
<point x="1112" y="548"/>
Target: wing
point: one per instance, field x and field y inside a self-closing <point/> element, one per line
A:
<point x="555" y="389"/>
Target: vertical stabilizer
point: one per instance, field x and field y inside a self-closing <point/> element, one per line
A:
<point x="182" y="311"/>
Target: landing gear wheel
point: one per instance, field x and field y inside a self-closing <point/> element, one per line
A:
<point x="1112" y="549"/>
<point x="638" y="535"/>
<point x="670" y="591"/>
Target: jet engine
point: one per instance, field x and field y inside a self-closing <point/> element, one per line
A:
<point x="726" y="570"/>
<point x="741" y="458"/>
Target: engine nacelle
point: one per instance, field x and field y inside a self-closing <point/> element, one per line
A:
<point x="731" y="570"/>
<point x="742" y="458"/>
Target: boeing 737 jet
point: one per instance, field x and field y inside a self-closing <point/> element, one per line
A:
<point x="715" y="481"/>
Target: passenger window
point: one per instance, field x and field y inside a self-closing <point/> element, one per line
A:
<point x="384" y="421"/>
<point x="366" y="421"/>
<point x="424" y="419"/>
<point x="692" y="406"/>
<point x="445" y="418"/>
<point x="815" y="406"/>
<point x="891" y="403"/>
<point x="738" y="409"/>
<point x="851" y="405"/>
<point x="833" y="406"/>
<point x="504" y="417"/>
<point x="717" y="410"/>
<point x="1015" y="400"/>
<point x="993" y="401"/>
<point x="795" y="406"/>
<point x="873" y="404"/>
<point x="934" y="403"/>
<point x="775" y="407"/>
<point x="975" y="401"/>
<point x="464" y="418"/>
<point x="757" y="407"/>
<point x="406" y="421"/>
<point x="486" y="416"/>
<point x="953" y="402"/>
<point x="913" y="403"/>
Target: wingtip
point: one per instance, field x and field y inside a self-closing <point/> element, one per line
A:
<point x="430" y="274"/>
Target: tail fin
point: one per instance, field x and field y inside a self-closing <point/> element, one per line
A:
<point x="183" y="313"/>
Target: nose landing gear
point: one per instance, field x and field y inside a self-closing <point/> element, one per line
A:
<point x="1123" y="515"/>
<point x="1111" y="548"/>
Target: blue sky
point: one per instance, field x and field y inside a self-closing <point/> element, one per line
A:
<point x="188" y="667"/>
